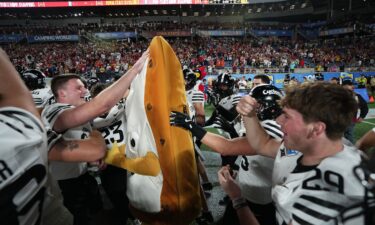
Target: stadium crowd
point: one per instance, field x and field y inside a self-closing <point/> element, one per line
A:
<point x="310" y="175"/>
<point x="240" y="55"/>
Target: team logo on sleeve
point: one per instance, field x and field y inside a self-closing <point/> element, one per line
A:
<point x="288" y="152"/>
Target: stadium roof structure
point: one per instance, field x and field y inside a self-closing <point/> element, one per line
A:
<point x="281" y="10"/>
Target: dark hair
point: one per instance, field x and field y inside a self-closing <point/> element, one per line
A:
<point x="60" y="80"/>
<point x="263" y="77"/>
<point x="97" y="88"/>
<point x="326" y="102"/>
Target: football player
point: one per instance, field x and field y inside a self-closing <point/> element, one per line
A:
<point x="226" y="109"/>
<point x="112" y="125"/>
<point x="316" y="184"/>
<point x="35" y="81"/>
<point x="255" y="172"/>
<point x="70" y="116"/>
<point x="195" y="99"/>
<point x="27" y="193"/>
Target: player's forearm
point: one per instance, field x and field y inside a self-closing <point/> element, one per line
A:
<point x="13" y="92"/>
<point x="77" y="151"/>
<point x="257" y="137"/>
<point x="367" y="141"/>
<point x="236" y="146"/>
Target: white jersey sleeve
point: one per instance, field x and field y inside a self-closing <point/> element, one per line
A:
<point x="255" y="174"/>
<point x="23" y="167"/>
<point x="64" y="170"/>
<point x="41" y="97"/>
<point x="195" y="96"/>
<point x="322" y="194"/>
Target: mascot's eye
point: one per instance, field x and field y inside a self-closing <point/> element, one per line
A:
<point x="150" y="63"/>
<point x="132" y="142"/>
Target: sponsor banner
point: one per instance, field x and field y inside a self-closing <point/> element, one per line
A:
<point x="284" y="33"/>
<point x="45" y="38"/>
<point x="336" y="31"/>
<point x="206" y="33"/>
<point x="11" y="38"/>
<point x="115" y="35"/>
<point x="182" y="33"/>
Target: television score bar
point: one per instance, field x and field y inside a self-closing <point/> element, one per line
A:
<point x="55" y="4"/>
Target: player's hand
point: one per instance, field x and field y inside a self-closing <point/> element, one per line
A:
<point x="182" y="120"/>
<point x="141" y="61"/>
<point x="227" y="182"/>
<point x="225" y="125"/>
<point x="247" y="106"/>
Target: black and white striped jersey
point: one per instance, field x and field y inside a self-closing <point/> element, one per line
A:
<point x="318" y="194"/>
<point x="194" y="97"/>
<point x="41" y="96"/>
<point x="112" y="125"/>
<point x="255" y="173"/>
<point x="64" y="170"/>
<point x="23" y="167"/>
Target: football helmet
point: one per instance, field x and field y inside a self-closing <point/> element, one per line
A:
<point x="190" y="78"/>
<point x="224" y="85"/>
<point x="34" y="79"/>
<point x="91" y="82"/>
<point x="267" y="97"/>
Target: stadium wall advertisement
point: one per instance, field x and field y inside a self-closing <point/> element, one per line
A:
<point x="11" y="38"/>
<point x="43" y="38"/>
<point x="115" y="35"/>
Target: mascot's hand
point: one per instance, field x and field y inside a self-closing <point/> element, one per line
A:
<point x="147" y="165"/>
<point x="182" y="120"/>
<point x="225" y="125"/>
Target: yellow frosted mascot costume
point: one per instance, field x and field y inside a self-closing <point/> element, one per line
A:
<point x="163" y="183"/>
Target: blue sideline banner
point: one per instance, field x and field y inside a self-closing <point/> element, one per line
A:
<point x="222" y="33"/>
<point x="115" y="35"/>
<point x="11" y="38"/>
<point x="283" y="33"/>
<point x="52" y="38"/>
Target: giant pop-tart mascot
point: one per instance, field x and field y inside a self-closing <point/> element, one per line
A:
<point x="162" y="185"/>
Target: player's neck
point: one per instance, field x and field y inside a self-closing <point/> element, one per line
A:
<point x="321" y="150"/>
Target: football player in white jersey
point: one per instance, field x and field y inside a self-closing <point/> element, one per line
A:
<point x="35" y="81"/>
<point x="112" y="125"/>
<point x="26" y="191"/>
<point x="316" y="184"/>
<point x="255" y="172"/>
<point x="195" y="99"/>
<point x="70" y="116"/>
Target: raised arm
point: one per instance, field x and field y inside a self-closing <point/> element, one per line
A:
<point x="257" y="137"/>
<point x="13" y="92"/>
<point x="100" y="104"/>
<point x="236" y="146"/>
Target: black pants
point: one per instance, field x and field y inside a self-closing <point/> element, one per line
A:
<point x="114" y="184"/>
<point x="81" y="197"/>
<point x="265" y="214"/>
